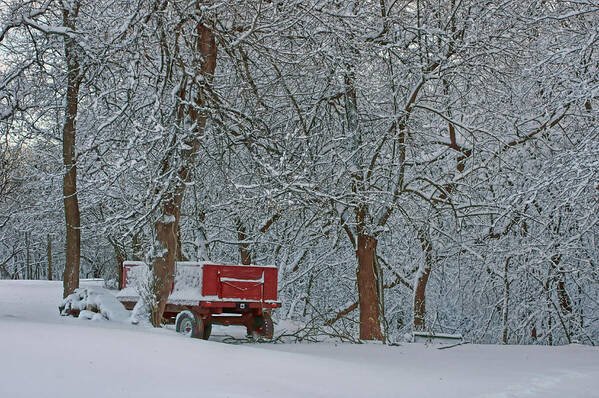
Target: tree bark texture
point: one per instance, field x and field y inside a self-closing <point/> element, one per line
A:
<point x="368" y="275"/>
<point x="421" y="282"/>
<point x="164" y="266"/>
<point x="71" y="203"/>
<point x="167" y="226"/>
<point x="368" y="289"/>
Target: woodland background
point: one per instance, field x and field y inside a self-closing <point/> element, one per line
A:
<point x="407" y="165"/>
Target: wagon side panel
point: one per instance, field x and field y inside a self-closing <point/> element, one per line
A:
<point x="270" y="283"/>
<point x="210" y="280"/>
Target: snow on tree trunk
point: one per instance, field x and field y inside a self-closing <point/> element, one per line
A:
<point x="71" y="203"/>
<point x="164" y="264"/>
<point x="188" y="114"/>
<point x="421" y="282"/>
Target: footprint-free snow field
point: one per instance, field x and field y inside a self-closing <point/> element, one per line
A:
<point x="45" y="355"/>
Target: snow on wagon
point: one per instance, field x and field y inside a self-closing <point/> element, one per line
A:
<point x="205" y="293"/>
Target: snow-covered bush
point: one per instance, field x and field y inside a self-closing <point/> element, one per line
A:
<point x="93" y="304"/>
<point x="140" y="313"/>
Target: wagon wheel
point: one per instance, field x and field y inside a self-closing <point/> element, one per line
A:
<point x="263" y="325"/>
<point x="189" y="324"/>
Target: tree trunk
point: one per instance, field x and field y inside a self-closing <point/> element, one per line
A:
<point x="244" y="250"/>
<point x="368" y="289"/>
<point x="421" y="281"/>
<point x="164" y="266"/>
<point x="166" y="227"/>
<point x="136" y="248"/>
<point x="369" y="286"/>
<point x="549" y="317"/>
<point x="180" y="256"/>
<point x="49" y="254"/>
<point x="506" y="300"/>
<point x="564" y="299"/>
<point x="71" y="203"/>
<point x="28" y="268"/>
<point x="120" y="256"/>
<point x="245" y="253"/>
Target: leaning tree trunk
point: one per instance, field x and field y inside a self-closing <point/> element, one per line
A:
<point x="167" y="226"/>
<point x="71" y="203"/>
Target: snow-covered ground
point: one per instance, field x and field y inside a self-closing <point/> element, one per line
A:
<point x="45" y="355"/>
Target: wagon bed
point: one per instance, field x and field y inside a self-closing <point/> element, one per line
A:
<point x="204" y="293"/>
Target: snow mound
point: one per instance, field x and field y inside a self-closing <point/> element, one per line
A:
<point x="89" y="303"/>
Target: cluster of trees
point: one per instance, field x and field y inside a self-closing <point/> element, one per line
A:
<point x="407" y="165"/>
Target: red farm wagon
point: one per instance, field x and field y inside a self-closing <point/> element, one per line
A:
<point x="205" y="293"/>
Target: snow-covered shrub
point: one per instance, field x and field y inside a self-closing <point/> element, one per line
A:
<point x="140" y="313"/>
<point x="86" y="301"/>
<point x="111" y="283"/>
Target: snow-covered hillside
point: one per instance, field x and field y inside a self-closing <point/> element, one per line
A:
<point x="45" y="355"/>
